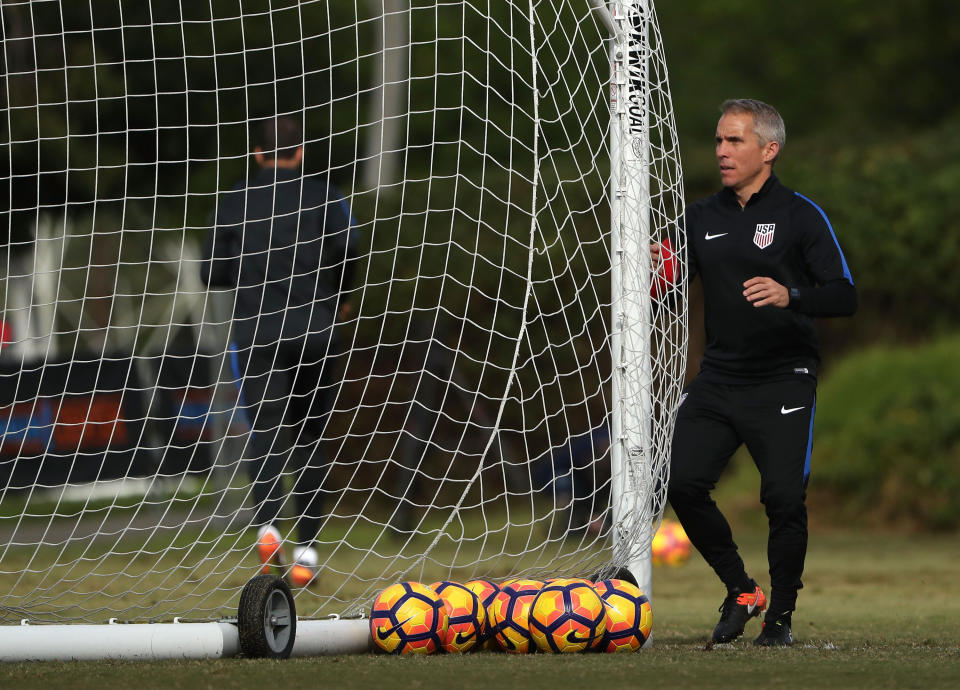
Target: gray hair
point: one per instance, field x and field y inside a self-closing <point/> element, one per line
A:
<point x="767" y="123"/>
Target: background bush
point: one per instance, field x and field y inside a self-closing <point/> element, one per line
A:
<point x="871" y="137"/>
<point x="874" y="140"/>
<point x="887" y="437"/>
<point x="893" y="204"/>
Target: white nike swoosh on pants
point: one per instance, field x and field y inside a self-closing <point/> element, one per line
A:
<point x="788" y="410"/>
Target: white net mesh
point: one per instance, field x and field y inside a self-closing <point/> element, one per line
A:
<point x="463" y="414"/>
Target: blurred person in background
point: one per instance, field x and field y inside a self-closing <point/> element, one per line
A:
<point x="285" y="241"/>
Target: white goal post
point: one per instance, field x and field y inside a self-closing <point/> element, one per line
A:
<point x="497" y="396"/>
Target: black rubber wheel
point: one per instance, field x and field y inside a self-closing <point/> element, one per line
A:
<point x="266" y="618"/>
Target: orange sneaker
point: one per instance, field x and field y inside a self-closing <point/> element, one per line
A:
<point x="270" y="550"/>
<point x="304" y="571"/>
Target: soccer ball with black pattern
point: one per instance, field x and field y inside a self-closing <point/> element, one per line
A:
<point x="629" y="617"/>
<point x="509" y="612"/>
<point x="485" y="590"/>
<point x="465" y="616"/>
<point x="408" y="618"/>
<point x="567" y="616"/>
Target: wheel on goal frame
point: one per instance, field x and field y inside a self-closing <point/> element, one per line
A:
<point x="267" y="618"/>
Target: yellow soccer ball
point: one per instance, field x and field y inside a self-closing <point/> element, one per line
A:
<point x="408" y="618"/>
<point x="466" y="617"/>
<point x="567" y="616"/>
<point x="629" y="617"/>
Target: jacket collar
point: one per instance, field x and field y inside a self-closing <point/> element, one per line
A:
<point x="729" y="197"/>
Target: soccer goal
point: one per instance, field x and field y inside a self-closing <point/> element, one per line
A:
<point x="505" y="370"/>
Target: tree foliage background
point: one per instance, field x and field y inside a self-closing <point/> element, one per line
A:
<point x="865" y="88"/>
<point x="133" y="114"/>
<point x="872" y="133"/>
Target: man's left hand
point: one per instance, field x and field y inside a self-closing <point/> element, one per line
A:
<point x="766" y="292"/>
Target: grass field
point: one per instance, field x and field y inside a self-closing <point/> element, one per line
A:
<point x="879" y="610"/>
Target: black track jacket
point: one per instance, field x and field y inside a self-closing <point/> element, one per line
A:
<point x="286" y="242"/>
<point x="779" y="234"/>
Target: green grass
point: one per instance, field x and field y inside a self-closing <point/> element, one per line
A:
<point x="158" y="572"/>
<point x="879" y="610"/>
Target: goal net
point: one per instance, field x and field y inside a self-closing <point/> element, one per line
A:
<point x="497" y="396"/>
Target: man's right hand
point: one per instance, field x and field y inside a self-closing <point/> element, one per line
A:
<point x="663" y="268"/>
<point x="655" y="252"/>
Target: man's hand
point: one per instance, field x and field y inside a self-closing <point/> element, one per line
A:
<point x="655" y="255"/>
<point x="664" y="268"/>
<point x="766" y="292"/>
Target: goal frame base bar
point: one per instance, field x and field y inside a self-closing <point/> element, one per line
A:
<point x="156" y="641"/>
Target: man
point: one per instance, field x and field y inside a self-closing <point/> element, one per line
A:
<point x="769" y="261"/>
<point x="286" y="242"/>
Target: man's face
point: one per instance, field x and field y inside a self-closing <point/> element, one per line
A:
<point x="741" y="156"/>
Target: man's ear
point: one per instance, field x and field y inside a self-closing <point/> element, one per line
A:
<point x="770" y="151"/>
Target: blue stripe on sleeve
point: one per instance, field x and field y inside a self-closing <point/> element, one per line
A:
<point x="345" y="207"/>
<point x="843" y="259"/>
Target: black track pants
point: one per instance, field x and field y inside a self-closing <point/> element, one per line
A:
<point x="775" y="421"/>
<point x="286" y="394"/>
